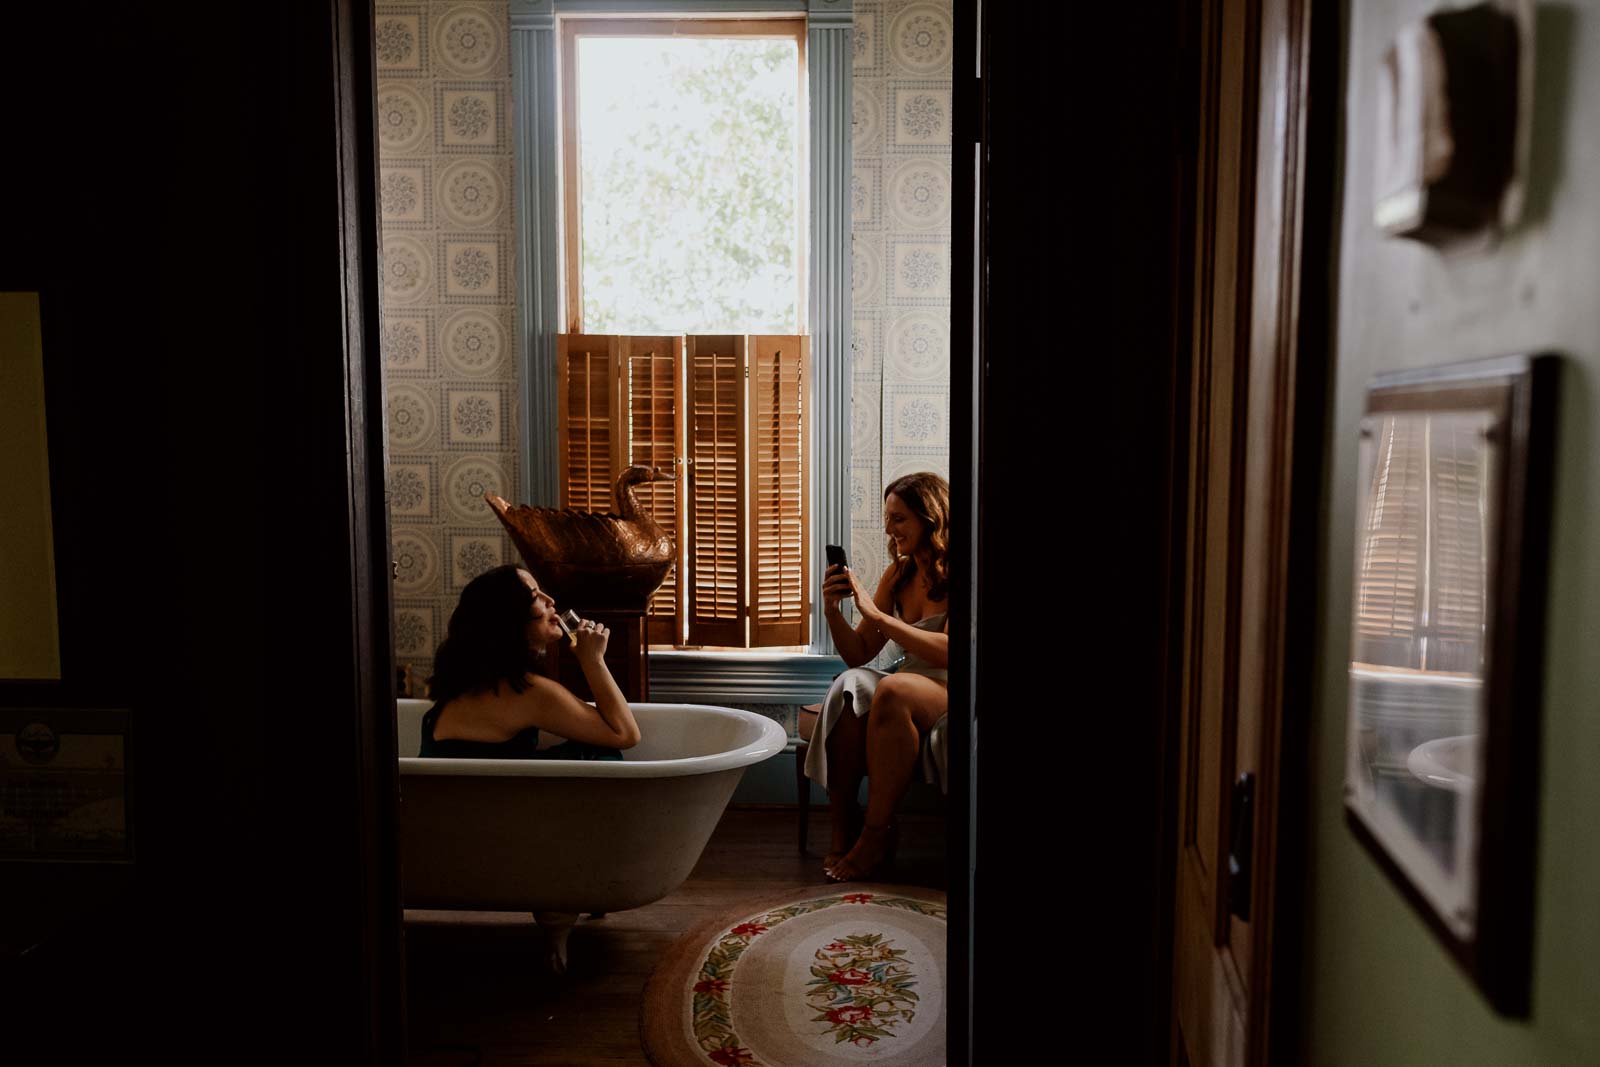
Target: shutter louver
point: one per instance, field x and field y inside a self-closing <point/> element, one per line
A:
<point x="780" y="609"/>
<point x="652" y="369"/>
<point x="587" y="411"/>
<point x="716" y="583"/>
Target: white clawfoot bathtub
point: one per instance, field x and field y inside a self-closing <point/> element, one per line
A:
<point x="559" y="837"/>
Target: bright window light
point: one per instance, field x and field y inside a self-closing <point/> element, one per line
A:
<point x="690" y="198"/>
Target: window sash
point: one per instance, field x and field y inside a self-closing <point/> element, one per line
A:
<point x="572" y="201"/>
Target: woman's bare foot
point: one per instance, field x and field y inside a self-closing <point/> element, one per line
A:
<point x="846" y="828"/>
<point x="873" y="848"/>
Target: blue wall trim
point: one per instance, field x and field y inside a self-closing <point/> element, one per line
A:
<point x="741" y="677"/>
<point x="830" y="58"/>
<point x="538" y="213"/>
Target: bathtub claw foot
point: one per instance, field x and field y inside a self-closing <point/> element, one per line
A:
<point x="557" y="926"/>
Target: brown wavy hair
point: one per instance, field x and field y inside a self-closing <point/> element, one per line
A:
<point x="487" y="641"/>
<point x="927" y="496"/>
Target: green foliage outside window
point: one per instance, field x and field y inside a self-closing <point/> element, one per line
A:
<point x="690" y="185"/>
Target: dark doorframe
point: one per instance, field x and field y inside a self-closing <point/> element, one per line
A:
<point x="200" y="215"/>
<point x="1078" y="267"/>
<point x="381" y="910"/>
<point x="965" y="359"/>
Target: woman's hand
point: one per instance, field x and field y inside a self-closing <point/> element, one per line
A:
<point x="592" y="641"/>
<point x="835" y="587"/>
<point x="842" y="583"/>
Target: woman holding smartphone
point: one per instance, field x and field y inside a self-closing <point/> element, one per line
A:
<point x="874" y="724"/>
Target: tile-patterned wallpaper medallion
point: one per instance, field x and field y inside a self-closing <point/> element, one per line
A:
<point x="472" y="192"/>
<point x="401" y="41"/>
<point x="471" y="117"/>
<point x="403" y="195"/>
<point x="407" y="268"/>
<point x="919" y="117"/>
<point x="415" y="627"/>
<point x="921" y="40"/>
<point x="411" y="489"/>
<point x="473" y="268"/>
<point x="918" y="347"/>
<point x="472" y="552"/>
<point x="413" y="416"/>
<point x="405" y="119"/>
<point x="477" y="416"/>
<point x="406" y="341"/>
<point x="416" y="559"/>
<point x="918" y="192"/>
<point x="449" y="288"/>
<point x="474" y="342"/>
<point x="466" y="481"/>
<point x="469" y="40"/>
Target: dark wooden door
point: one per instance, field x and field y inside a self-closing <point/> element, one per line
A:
<point x="1252" y="66"/>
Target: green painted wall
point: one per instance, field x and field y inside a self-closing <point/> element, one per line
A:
<point x="1377" y="988"/>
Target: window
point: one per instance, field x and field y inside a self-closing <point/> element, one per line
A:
<point x="685" y="230"/>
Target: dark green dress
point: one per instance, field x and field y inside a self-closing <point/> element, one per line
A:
<point x="523" y="746"/>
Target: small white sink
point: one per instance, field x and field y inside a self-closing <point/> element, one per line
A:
<point x="1447" y="762"/>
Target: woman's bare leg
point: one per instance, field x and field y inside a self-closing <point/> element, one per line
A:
<point x="904" y="707"/>
<point x="847" y="764"/>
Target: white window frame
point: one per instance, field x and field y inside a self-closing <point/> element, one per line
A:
<point x="747" y="677"/>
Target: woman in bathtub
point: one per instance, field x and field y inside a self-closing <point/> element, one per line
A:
<point x="490" y="701"/>
<point x="874" y="724"/>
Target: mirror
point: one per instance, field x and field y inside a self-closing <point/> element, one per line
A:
<point x="1446" y="624"/>
<point x="1418" y="624"/>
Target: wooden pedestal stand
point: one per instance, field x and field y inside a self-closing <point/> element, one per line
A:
<point x="626" y="656"/>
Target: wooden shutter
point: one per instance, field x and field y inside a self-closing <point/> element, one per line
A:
<point x="779" y="438"/>
<point x="651" y="368"/>
<point x="716" y="510"/>
<point x="587" y="411"/>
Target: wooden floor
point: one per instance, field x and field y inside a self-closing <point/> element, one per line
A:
<point x="478" y="994"/>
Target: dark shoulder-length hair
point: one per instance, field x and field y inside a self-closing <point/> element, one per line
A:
<point x="487" y="641"/>
<point x="927" y="496"/>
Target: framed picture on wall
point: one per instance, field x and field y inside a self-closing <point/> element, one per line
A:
<point x="1446" y="650"/>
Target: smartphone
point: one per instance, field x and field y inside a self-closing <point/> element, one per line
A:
<point x="835" y="556"/>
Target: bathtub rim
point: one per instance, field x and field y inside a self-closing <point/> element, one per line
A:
<point x="772" y="740"/>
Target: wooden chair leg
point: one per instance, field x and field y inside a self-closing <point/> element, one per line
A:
<point x="802" y="786"/>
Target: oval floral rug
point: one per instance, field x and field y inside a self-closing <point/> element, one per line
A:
<point x="825" y="977"/>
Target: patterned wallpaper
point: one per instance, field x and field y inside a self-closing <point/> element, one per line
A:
<point x="445" y="156"/>
<point x="445" y="147"/>
<point x="900" y="246"/>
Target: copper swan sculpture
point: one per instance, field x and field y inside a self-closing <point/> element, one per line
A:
<point x="594" y="560"/>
